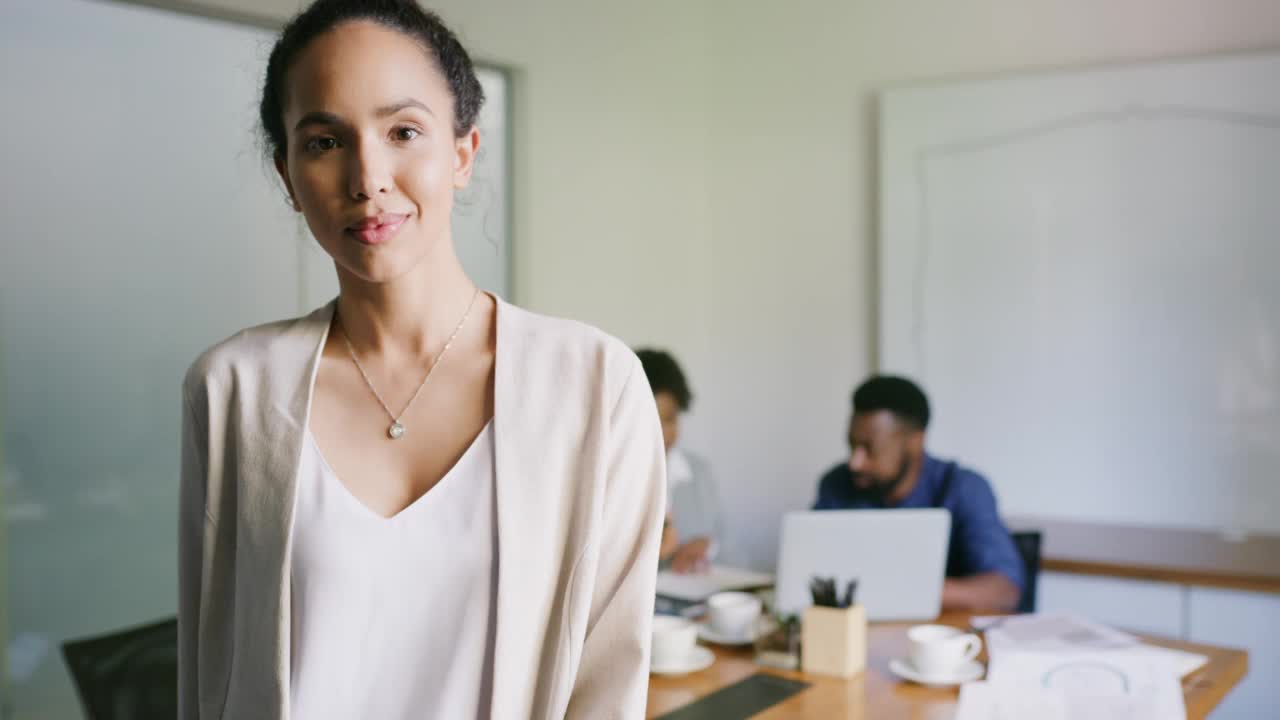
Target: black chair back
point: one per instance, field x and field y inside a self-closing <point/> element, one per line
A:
<point x="127" y="675"/>
<point x="1028" y="543"/>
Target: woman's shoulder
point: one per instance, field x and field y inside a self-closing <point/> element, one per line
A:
<point x="560" y="344"/>
<point x="252" y="347"/>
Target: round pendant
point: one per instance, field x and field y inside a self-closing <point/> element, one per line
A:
<point x="395" y="431"/>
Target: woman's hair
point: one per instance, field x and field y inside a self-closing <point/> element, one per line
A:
<point x="665" y="375"/>
<point x="402" y="15"/>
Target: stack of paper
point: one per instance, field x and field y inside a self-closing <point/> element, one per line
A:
<point x="699" y="586"/>
<point x="1068" y="633"/>
<point x="997" y="701"/>
<point x="1047" y="632"/>
<point x="1063" y="667"/>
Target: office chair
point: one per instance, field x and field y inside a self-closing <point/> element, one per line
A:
<point x="127" y="675"/>
<point x="1028" y="544"/>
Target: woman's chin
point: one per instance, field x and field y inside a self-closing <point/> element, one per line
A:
<point x="378" y="264"/>
<point x="377" y="271"/>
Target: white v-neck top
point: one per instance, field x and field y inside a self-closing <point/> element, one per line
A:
<point x="394" y="617"/>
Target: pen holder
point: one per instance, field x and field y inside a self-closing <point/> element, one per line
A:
<point x="834" y="640"/>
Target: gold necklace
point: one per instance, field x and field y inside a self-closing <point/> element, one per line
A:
<point x="397" y="428"/>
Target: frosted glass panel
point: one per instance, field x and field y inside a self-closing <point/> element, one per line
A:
<point x="482" y="212"/>
<point x="140" y="225"/>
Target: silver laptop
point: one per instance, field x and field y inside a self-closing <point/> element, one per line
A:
<point x="899" y="558"/>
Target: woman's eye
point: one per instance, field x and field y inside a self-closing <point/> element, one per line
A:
<point x="405" y="134"/>
<point x="321" y="144"/>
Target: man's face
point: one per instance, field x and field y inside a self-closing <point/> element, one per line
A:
<point x="882" y="451"/>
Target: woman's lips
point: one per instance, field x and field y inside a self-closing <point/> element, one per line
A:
<point x="377" y="229"/>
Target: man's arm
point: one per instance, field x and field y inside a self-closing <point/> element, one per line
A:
<point x="994" y="568"/>
<point x="984" y="591"/>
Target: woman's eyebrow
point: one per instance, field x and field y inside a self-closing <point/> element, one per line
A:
<point x="396" y="107"/>
<point x="317" y="117"/>
<point x="321" y="117"/>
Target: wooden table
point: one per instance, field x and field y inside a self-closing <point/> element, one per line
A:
<point x="1176" y="555"/>
<point x="877" y="693"/>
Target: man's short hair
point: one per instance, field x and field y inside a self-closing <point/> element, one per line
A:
<point x="898" y="395"/>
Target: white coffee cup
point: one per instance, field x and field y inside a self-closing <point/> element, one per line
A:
<point x="733" y="614"/>
<point x="940" y="650"/>
<point x="673" y="639"/>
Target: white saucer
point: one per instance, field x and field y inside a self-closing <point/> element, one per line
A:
<point x="711" y="635"/>
<point x="699" y="658"/>
<point x="967" y="672"/>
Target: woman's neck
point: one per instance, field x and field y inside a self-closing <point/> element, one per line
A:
<point x="410" y="316"/>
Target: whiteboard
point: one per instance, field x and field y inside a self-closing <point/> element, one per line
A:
<point x="140" y="224"/>
<point x="1083" y="269"/>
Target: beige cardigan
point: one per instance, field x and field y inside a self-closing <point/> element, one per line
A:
<point x="580" y="487"/>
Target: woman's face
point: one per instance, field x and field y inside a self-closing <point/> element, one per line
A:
<point x="371" y="158"/>
<point x="669" y="414"/>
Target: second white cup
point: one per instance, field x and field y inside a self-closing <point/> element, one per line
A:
<point x="940" y="650"/>
<point x="733" y="614"/>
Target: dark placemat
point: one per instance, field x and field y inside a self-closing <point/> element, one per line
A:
<point x="739" y="700"/>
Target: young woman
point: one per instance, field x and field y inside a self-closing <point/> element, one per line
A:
<point x="417" y="501"/>
<point x="693" y="531"/>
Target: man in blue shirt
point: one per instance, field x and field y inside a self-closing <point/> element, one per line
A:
<point x="889" y="468"/>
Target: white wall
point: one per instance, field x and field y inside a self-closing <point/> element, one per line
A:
<point x="792" y="195"/>
<point x="700" y="175"/>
